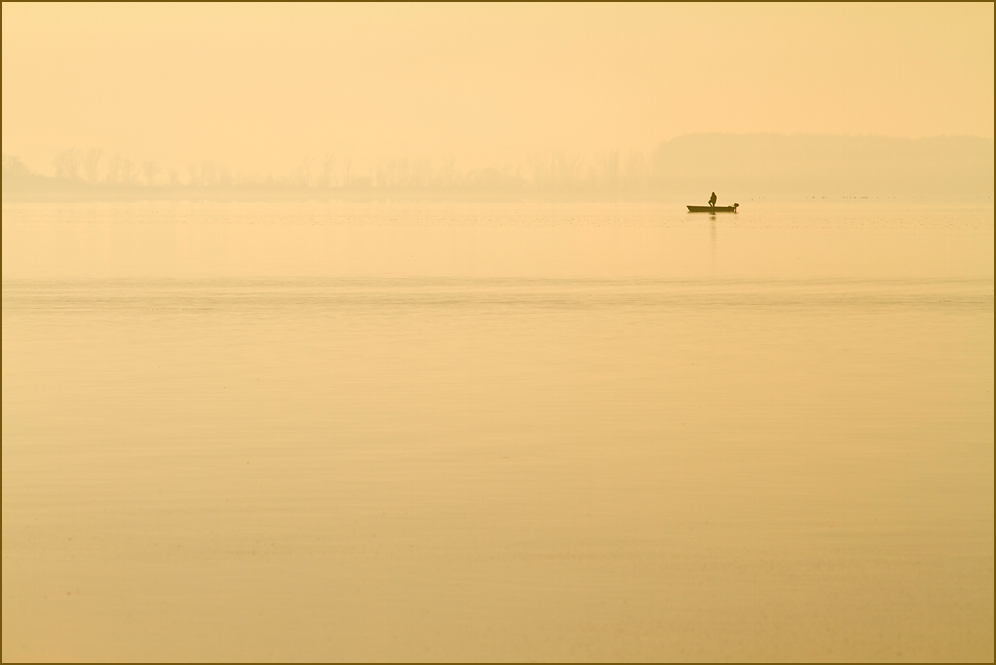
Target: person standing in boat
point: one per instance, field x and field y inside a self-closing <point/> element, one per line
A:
<point x="712" y="200"/>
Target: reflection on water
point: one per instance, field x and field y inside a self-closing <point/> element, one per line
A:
<point x="614" y="434"/>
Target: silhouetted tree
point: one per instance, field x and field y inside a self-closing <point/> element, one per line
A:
<point x="636" y="170"/>
<point x="223" y="176"/>
<point x="209" y="174"/>
<point x="346" y="163"/>
<point x="67" y="164"/>
<point x="127" y="172"/>
<point x="328" y="171"/>
<point x="607" y="163"/>
<point x="114" y="169"/>
<point x="151" y="170"/>
<point x="13" y="167"/>
<point x="91" y="163"/>
<point x="447" y="172"/>
<point x="302" y="177"/>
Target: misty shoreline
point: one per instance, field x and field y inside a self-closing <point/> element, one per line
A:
<point x="737" y="166"/>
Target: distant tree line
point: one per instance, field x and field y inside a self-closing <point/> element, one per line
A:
<point x="554" y="170"/>
<point x="734" y="165"/>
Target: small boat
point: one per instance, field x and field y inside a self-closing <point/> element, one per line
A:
<point x="732" y="208"/>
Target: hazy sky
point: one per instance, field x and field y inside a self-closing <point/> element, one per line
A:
<point x="260" y="86"/>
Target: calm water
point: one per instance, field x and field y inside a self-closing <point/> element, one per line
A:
<point x="468" y="431"/>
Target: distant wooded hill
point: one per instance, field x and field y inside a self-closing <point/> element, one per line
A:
<point x="737" y="166"/>
<point x="813" y="165"/>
